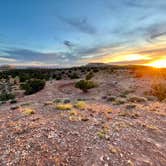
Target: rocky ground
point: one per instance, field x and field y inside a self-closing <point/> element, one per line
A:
<point x="115" y="124"/>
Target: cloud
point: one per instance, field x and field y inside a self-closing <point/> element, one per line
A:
<point x="81" y="24"/>
<point x="26" y="56"/>
<point x="3" y="59"/>
<point x="154" y="52"/>
<point x="135" y="3"/>
<point x="68" y="43"/>
<point x="145" y="4"/>
<point x="156" y="30"/>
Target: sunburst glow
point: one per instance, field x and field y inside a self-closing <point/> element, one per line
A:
<point x="158" y="63"/>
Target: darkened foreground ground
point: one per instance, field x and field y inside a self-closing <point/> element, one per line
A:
<point x="117" y="123"/>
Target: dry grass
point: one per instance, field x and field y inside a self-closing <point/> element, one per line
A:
<point x="159" y="90"/>
<point x="113" y="149"/>
<point x="137" y="99"/>
<point x="48" y="103"/>
<point x="130" y="114"/>
<point x="73" y="112"/>
<point x="80" y="105"/>
<point x="28" y="111"/>
<point x="117" y="126"/>
<point x="64" y="106"/>
<point x="103" y="133"/>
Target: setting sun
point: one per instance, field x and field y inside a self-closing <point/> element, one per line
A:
<point x="158" y="63"/>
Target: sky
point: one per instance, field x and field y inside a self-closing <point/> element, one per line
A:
<point x="66" y="33"/>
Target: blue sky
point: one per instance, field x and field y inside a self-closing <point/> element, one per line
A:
<point x="75" y="32"/>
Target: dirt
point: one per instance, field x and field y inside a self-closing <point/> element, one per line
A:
<point x="104" y="133"/>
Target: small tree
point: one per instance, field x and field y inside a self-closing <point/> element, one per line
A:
<point x="33" y="86"/>
<point x="84" y="85"/>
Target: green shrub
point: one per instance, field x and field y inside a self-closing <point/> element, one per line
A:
<point x="84" y="85"/>
<point x="89" y="76"/>
<point x="74" y="76"/>
<point x="6" y="96"/>
<point x="13" y="101"/>
<point x="159" y="90"/>
<point x="33" y="86"/>
<point x="58" y="77"/>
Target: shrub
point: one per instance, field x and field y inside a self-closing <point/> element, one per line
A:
<point x="33" y="86"/>
<point x="58" y="100"/>
<point x="6" y="96"/>
<point x="95" y="70"/>
<point x="73" y="112"/>
<point x="64" y="106"/>
<point x="74" y="76"/>
<point x="80" y="105"/>
<point x="84" y="85"/>
<point x="58" y="77"/>
<point x="28" y="111"/>
<point x="159" y="90"/>
<point x="65" y="101"/>
<point x="89" y="76"/>
<point x="13" y="101"/>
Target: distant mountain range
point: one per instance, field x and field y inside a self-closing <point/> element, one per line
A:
<point x="8" y="67"/>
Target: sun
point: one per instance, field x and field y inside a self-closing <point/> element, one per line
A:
<point x="158" y="63"/>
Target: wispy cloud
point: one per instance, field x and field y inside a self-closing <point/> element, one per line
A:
<point x="3" y="59"/>
<point x="81" y="24"/>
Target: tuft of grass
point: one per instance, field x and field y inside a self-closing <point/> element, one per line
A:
<point x="137" y="99"/>
<point x="130" y="163"/>
<point x="125" y="93"/>
<point x="119" y="101"/>
<point x="14" y="107"/>
<point x="57" y="101"/>
<point x="73" y="118"/>
<point x="129" y="114"/>
<point x="111" y="98"/>
<point x="151" y="127"/>
<point x="103" y="133"/>
<point x="73" y="112"/>
<point x="80" y="105"/>
<point x="25" y="104"/>
<point x="113" y="149"/>
<point x="64" y="106"/>
<point x="66" y="101"/>
<point x="109" y="111"/>
<point x="118" y="126"/>
<point x="13" y="101"/>
<point x="28" y="111"/>
<point x="48" y="103"/>
<point x="130" y="106"/>
<point x="84" y="118"/>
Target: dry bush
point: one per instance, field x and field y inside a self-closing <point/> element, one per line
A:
<point x="159" y="90"/>
<point x="80" y="105"/>
<point x="64" y="106"/>
<point x="28" y="111"/>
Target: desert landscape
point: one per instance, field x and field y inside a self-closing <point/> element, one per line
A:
<point x="121" y="121"/>
<point x="82" y="82"/>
